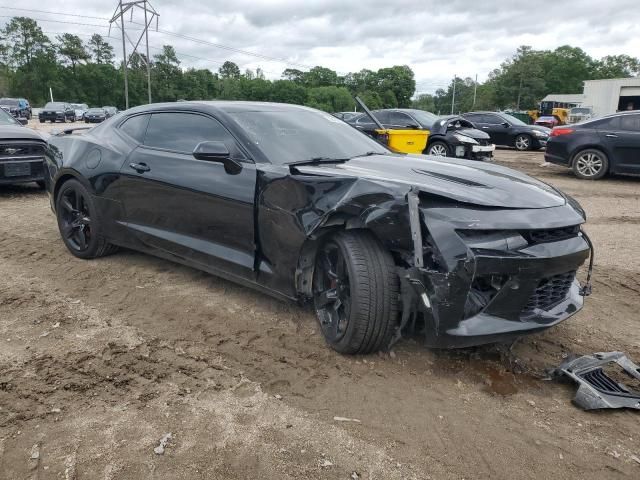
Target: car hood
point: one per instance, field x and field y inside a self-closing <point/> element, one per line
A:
<point x="465" y="181"/>
<point x="472" y="132"/>
<point x="539" y="128"/>
<point x="18" y="132"/>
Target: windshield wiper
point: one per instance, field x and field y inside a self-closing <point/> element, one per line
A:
<point x="318" y="160"/>
<point x="368" y="154"/>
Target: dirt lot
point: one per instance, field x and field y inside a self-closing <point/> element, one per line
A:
<point x="100" y="359"/>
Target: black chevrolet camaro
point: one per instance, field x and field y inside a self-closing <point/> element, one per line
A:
<point x="298" y="204"/>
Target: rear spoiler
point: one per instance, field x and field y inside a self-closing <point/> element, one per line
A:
<point x="69" y="131"/>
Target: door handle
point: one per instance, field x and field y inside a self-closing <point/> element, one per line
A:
<point x="611" y="135"/>
<point x="140" y="167"/>
<point x="486" y="128"/>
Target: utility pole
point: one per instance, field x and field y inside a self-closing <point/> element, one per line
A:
<point x="150" y="14"/>
<point x="453" y="98"/>
<point x="519" y="90"/>
<point x="475" y="89"/>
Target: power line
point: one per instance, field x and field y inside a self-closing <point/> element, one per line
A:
<point x="52" y="13"/>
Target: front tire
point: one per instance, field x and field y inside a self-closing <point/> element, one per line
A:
<point x="590" y="164"/>
<point x="523" y="142"/>
<point x="356" y="292"/>
<point x="438" y="149"/>
<point x="78" y="222"/>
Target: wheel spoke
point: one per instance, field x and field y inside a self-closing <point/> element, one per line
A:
<point x="78" y="201"/>
<point x="328" y="265"/>
<point x="82" y="239"/>
<point x="68" y="230"/>
<point x="66" y="204"/>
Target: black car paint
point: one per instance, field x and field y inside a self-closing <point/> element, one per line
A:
<point x="607" y="134"/>
<point x="67" y="113"/>
<point x="262" y="226"/>
<point x="504" y="132"/>
<point x="439" y="130"/>
<point x="21" y="155"/>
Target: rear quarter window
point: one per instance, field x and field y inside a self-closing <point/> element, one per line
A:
<point x="136" y="127"/>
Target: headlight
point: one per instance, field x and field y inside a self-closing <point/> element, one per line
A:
<point x="464" y="139"/>
<point x="59" y="113"/>
<point x="538" y="133"/>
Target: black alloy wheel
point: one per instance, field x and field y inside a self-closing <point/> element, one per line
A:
<point x="78" y="223"/>
<point x="355" y="291"/>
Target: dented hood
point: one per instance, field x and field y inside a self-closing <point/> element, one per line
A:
<point x="462" y="180"/>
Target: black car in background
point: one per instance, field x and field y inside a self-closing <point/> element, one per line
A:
<point x="450" y="136"/>
<point x="18" y="107"/>
<point x="21" y="153"/>
<point x="507" y="130"/>
<point x="95" y="115"/>
<point x="291" y="201"/>
<point x="596" y="147"/>
<point x="57" y="112"/>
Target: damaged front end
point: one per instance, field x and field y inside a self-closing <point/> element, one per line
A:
<point x="482" y="275"/>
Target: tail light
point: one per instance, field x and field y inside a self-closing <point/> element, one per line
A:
<point x="556" y="132"/>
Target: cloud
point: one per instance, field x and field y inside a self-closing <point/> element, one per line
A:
<point x="437" y="39"/>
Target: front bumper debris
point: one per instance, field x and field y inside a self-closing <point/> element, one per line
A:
<point x="597" y="389"/>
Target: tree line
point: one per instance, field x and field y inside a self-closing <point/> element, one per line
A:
<point x="87" y="72"/>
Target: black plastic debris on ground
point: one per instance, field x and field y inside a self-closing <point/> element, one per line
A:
<point x="600" y="378"/>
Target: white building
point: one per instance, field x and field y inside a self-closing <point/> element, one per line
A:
<point x="603" y="96"/>
<point x="612" y="95"/>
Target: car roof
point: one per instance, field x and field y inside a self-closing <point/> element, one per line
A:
<point x="227" y="106"/>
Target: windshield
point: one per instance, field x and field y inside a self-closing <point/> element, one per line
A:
<point x="298" y="135"/>
<point x="6" y="119"/>
<point x="52" y="105"/>
<point x="10" y="102"/>
<point x="95" y="110"/>
<point x="512" y="120"/>
<point x="426" y="119"/>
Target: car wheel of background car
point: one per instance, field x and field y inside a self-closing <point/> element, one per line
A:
<point x="590" y="164"/>
<point x="438" y="149"/>
<point x="523" y="142"/>
<point x="355" y="293"/>
<point x="42" y="120"/>
<point x="78" y="222"/>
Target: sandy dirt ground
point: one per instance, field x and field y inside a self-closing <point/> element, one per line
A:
<point x="100" y="360"/>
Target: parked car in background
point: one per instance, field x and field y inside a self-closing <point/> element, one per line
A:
<point x="57" y="112"/>
<point x="95" y="115"/>
<point x="599" y="146"/>
<point x="451" y="136"/>
<point x="111" y="111"/>
<point x="547" y="121"/>
<point x="507" y="130"/>
<point x="293" y="202"/>
<point x="580" y="114"/>
<point x="79" y="109"/>
<point x="346" y="115"/>
<point x="21" y="152"/>
<point x="18" y="107"/>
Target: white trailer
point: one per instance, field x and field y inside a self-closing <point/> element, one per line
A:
<point x="612" y="95"/>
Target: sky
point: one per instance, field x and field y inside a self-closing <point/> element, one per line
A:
<point x="437" y="39"/>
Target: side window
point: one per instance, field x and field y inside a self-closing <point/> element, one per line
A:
<point x="382" y="116"/>
<point x="474" y="117"/>
<point x="630" y="123"/>
<point x="611" y="123"/>
<point x="181" y="132"/>
<point x="492" y="119"/>
<point x="364" y="120"/>
<point x="136" y="127"/>
<point x="400" y="119"/>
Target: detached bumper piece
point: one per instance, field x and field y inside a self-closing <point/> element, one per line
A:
<point x="601" y="378"/>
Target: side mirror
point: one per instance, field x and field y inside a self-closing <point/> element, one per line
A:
<point x="23" y="120"/>
<point x="505" y="124"/>
<point x="217" y="152"/>
<point x="413" y="126"/>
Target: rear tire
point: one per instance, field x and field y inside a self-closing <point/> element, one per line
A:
<point x="590" y="164"/>
<point x="438" y="149"/>
<point x="356" y="293"/>
<point x="80" y="227"/>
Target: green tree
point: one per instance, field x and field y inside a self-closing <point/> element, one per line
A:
<point x="320" y="77"/>
<point x="101" y="51"/>
<point x="425" y="102"/>
<point x="398" y="79"/>
<point x="229" y="70"/>
<point x="294" y="75"/>
<point x="330" y="99"/>
<point x="71" y="49"/>
<point x="617" y="66"/>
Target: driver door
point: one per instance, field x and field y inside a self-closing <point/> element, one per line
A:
<point x="190" y="208"/>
